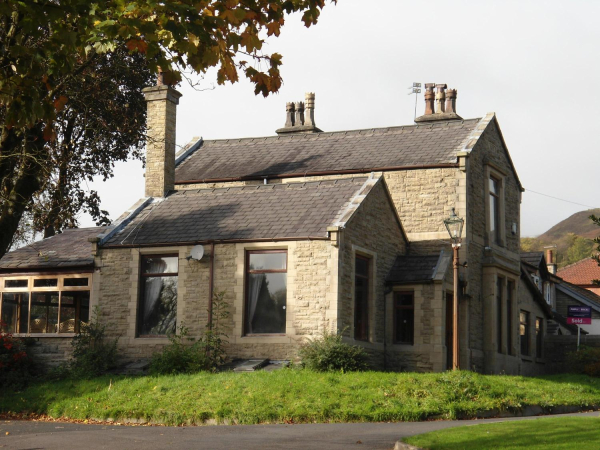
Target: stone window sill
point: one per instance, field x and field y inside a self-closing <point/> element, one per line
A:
<point x="44" y="335"/>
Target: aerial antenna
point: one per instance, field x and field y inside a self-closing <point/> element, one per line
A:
<point x="415" y="89"/>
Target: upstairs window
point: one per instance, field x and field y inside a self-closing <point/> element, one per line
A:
<point x="45" y="305"/>
<point x="495" y="210"/>
<point x="157" y="312"/>
<point x="266" y="292"/>
<point x="361" y="297"/>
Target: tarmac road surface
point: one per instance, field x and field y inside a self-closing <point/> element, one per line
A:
<point x="28" y="435"/>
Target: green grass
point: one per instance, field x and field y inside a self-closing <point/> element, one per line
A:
<point x="555" y="433"/>
<point x="297" y="396"/>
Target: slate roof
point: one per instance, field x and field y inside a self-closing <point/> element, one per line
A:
<point x="581" y="272"/>
<point x="533" y="258"/>
<point x="589" y="295"/>
<point x="71" y="246"/>
<point x="358" y="151"/>
<point x="413" y="269"/>
<point x="261" y="212"/>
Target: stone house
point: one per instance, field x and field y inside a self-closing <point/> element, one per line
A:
<point x="311" y="230"/>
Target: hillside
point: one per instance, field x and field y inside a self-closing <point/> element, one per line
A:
<point x="572" y="237"/>
<point x="579" y="224"/>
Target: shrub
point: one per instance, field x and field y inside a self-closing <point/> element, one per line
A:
<point x="586" y="360"/>
<point x="16" y="366"/>
<point x="329" y="353"/>
<point x="186" y="354"/>
<point x="93" y="354"/>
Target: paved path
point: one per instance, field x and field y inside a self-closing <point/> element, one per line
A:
<point x="52" y="435"/>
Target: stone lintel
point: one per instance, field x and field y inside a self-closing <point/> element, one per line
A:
<point x="154" y="93"/>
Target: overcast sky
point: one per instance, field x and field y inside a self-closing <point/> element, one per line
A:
<point x="536" y="64"/>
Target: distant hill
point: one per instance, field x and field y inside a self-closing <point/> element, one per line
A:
<point x="572" y="237"/>
<point x="579" y="224"/>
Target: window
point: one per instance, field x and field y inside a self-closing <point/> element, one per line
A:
<point x="404" y="318"/>
<point x="547" y="292"/>
<point x="46" y="305"/>
<point x="510" y="289"/>
<point x="539" y="337"/>
<point x="266" y="292"/>
<point x="524" y="332"/>
<point x="361" y="298"/>
<point x="157" y="313"/>
<point x="494" y="210"/>
<point x="499" y="321"/>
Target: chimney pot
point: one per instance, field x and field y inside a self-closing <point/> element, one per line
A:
<point x="289" y="114"/>
<point x="451" y="101"/>
<point x="440" y="98"/>
<point x="309" y="111"/>
<point x="429" y="98"/>
<point x="299" y="113"/>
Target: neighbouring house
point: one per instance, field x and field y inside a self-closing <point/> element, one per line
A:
<point x="311" y="230"/>
<point x="582" y="274"/>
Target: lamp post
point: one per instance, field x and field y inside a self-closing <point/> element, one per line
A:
<point x="454" y="225"/>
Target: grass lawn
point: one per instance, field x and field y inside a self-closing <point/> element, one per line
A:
<point x="297" y="396"/>
<point x="547" y="433"/>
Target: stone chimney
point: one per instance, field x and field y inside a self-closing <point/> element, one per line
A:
<point x="161" y="102"/>
<point x="551" y="258"/>
<point x="300" y="116"/>
<point x="439" y="105"/>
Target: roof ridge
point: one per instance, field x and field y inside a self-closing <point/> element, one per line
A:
<point x="297" y="136"/>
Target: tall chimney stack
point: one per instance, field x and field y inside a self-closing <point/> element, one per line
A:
<point x="439" y="105"/>
<point x="161" y="103"/>
<point x="551" y="258"/>
<point x="300" y="116"/>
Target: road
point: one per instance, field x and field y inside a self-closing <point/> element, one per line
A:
<point x="29" y="435"/>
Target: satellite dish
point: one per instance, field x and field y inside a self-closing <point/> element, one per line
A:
<point x="197" y="252"/>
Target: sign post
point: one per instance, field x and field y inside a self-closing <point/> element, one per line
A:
<point x="579" y="315"/>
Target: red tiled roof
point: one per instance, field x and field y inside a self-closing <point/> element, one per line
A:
<point x="581" y="272"/>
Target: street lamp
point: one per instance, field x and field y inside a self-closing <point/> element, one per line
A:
<point x="454" y="225"/>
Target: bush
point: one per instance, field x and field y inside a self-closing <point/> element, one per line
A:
<point x="16" y="366"/>
<point x="328" y="353"/>
<point x="186" y="355"/>
<point x="586" y="360"/>
<point x="93" y="354"/>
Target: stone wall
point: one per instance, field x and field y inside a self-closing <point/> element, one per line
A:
<point x="374" y="232"/>
<point x="558" y="347"/>
<point x="50" y="351"/>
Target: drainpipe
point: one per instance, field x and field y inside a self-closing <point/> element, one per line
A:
<point x="210" y="285"/>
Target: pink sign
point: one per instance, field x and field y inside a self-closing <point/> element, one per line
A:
<point x="579" y="320"/>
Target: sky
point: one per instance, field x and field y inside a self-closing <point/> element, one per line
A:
<point x="535" y="64"/>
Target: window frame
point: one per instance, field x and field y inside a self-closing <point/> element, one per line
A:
<point x="141" y="289"/>
<point x="500" y="281"/>
<point x="498" y="238"/>
<point x="366" y="333"/>
<point x="30" y="290"/>
<point x="525" y="325"/>
<point x="248" y="271"/>
<point x="510" y="296"/>
<point x="396" y="307"/>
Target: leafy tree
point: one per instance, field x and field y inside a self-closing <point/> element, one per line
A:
<point x="47" y="45"/>
<point x="579" y="249"/>
<point x="596" y="220"/>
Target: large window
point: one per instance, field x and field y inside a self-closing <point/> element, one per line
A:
<point x="539" y="337"/>
<point x="361" y="298"/>
<point x="157" y="313"/>
<point x="499" y="321"/>
<point x="266" y="292"/>
<point x="44" y="304"/>
<point x="404" y="318"/>
<point x="495" y="210"/>
<point x="524" y="332"/>
<point x="510" y="292"/>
